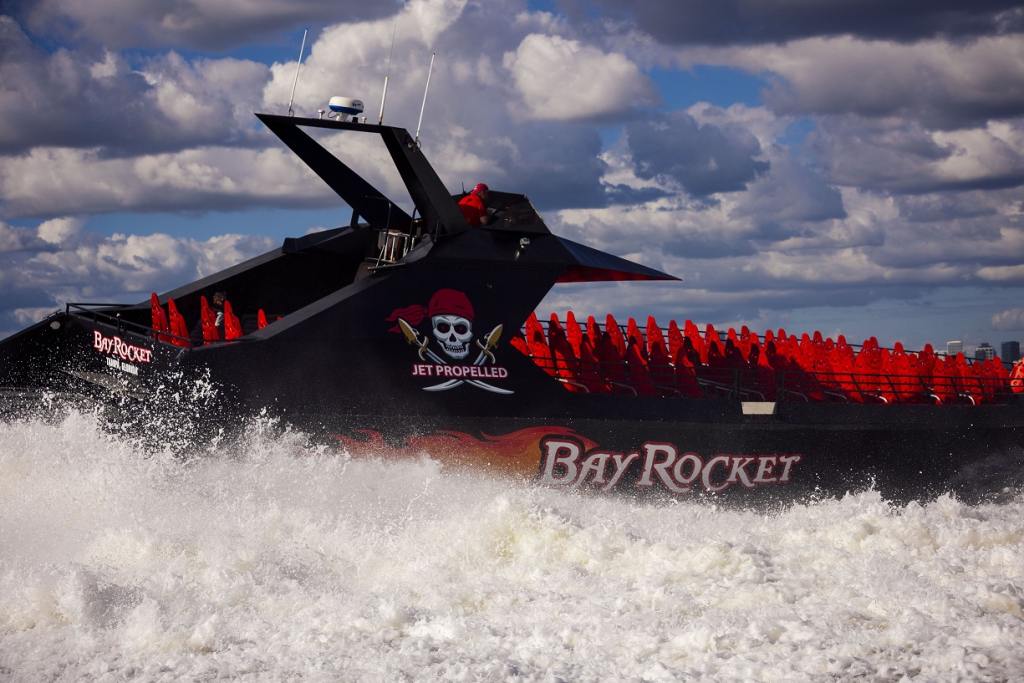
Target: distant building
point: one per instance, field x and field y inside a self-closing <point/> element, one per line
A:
<point x="954" y="347"/>
<point x="1010" y="351"/>
<point x="984" y="351"/>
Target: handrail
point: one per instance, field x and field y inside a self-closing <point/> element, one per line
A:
<point x="114" y="320"/>
<point x="124" y="326"/>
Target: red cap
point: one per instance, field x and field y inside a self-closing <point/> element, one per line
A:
<point x="481" y="187"/>
<point x="450" y="302"/>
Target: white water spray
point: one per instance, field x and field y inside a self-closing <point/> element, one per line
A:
<point x="278" y="560"/>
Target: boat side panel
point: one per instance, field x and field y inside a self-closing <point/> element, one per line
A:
<point x="748" y="462"/>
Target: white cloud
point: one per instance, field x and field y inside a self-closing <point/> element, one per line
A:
<point x="563" y="79"/>
<point x="945" y="84"/>
<point x="84" y="263"/>
<point x="31" y="315"/>
<point x="54" y="180"/>
<point x="1007" y="274"/>
<point x="13" y="238"/>
<point x="1010" y="319"/>
<point x="201" y="23"/>
<point x="59" y="230"/>
<point x="898" y="155"/>
<point x="76" y="97"/>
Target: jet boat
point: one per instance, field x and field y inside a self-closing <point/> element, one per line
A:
<point x="408" y="333"/>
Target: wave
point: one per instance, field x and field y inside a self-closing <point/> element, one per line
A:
<point x="275" y="557"/>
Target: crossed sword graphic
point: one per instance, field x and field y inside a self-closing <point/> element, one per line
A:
<point x="414" y="339"/>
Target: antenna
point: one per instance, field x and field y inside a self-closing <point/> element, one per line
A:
<point x="387" y="73"/>
<point x="426" y="88"/>
<point x="302" y="48"/>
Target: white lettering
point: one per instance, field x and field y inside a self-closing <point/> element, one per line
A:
<point x="120" y="348"/>
<point x="764" y="470"/>
<point x="651" y="451"/>
<point x="709" y="466"/>
<point x="695" y="466"/>
<point x="621" y="462"/>
<point x="564" y="453"/>
<point x="787" y="462"/>
<point x="595" y="463"/>
<point x="738" y="471"/>
<point x="564" y="463"/>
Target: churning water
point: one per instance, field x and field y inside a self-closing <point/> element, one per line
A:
<point x="272" y="560"/>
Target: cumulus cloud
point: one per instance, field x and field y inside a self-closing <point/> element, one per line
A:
<point x="207" y="24"/>
<point x="901" y="156"/>
<point x="563" y="79"/>
<point x="67" y="262"/>
<point x="938" y="83"/>
<point x="470" y="133"/>
<point x="1011" y="319"/>
<point x="718" y="22"/>
<point x="60" y="180"/>
<point x="703" y="159"/>
<point x="85" y="98"/>
<point x="88" y="264"/>
<point x="59" y="231"/>
<point x="13" y="238"/>
<point x="941" y="84"/>
<point x="791" y="195"/>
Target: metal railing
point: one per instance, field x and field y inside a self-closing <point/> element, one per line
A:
<point x="125" y="327"/>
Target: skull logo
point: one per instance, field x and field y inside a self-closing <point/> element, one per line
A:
<point x="453" y="333"/>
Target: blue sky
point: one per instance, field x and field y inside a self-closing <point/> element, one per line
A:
<point x="796" y="166"/>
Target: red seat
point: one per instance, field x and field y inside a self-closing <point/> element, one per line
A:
<point x="654" y="336"/>
<point x="592" y="331"/>
<point x="590" y="369"/>
<point x="261" y="319"/>
<point x="178" y="327"/>
<point x="158" y="320"/>
<point x="968" y="388"/>
<point x="675" y="339"/>
<point x="639" y="375"/>
<point x="518" y="342"/>
<point x="926" y="361"/>
<point x="573" y="332"/>
<point x="614" y="332"/>
<point x="764" y="373"/>
<point x="232" y="325"/>
<point x="613" y="365"/>
<point x="208" y="321"/>
<point x="554" y="326"/>
<point x="999" y="378"/>
<point x="943" y="379"/>
<point x="565" y="362"/>
<point x="540" y="352"/>
<point x="662" y="373"/>
<point x="533" y="326"/>
<point x="635" y="336"/>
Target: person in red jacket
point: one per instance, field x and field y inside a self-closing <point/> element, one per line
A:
<point x="474" y="205"/>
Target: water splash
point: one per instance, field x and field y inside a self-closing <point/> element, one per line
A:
<point x="276" y="558"/>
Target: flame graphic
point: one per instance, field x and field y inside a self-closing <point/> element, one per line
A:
<point x="515" y="453"/>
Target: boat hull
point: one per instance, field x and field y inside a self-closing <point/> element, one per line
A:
<point x="784" y="457"/>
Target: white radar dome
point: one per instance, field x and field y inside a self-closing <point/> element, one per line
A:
<point x="345" y="105"/>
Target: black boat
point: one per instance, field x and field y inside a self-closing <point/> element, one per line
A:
<point x="401" y="334"/>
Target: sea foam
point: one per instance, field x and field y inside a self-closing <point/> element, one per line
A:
<point x="277" y="559"/>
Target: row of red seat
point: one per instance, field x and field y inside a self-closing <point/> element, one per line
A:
<point x="769" y="366"/>
<point x="170" y="327"/>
